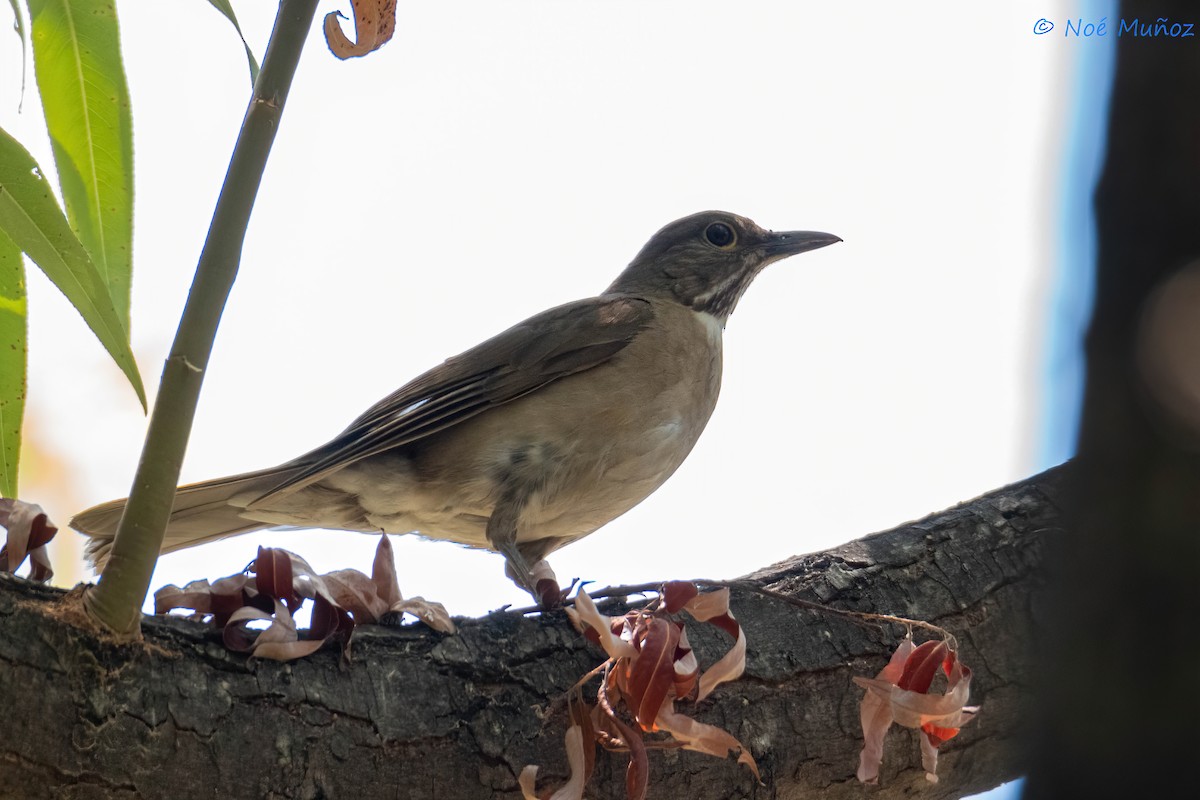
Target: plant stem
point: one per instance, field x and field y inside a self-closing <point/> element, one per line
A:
<point x="117" y="600"/>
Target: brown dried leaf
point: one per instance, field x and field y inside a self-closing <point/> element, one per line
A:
<point x="652" y="673"/>
<point x="637" y="774"/>
<point x="677" y="594"/>
<point x="374" y="24"/>
<point x="273" y="575"/>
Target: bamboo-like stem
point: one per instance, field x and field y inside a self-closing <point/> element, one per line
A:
<point x="117" y="600"/>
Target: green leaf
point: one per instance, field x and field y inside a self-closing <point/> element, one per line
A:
<point x="225" y="8"/>
<point x="30" y="216"/>
<point x="12" y="362"/>
<point x="77" y="61"/>
<point x="19" y="28"/>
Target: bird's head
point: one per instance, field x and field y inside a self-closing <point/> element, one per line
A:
<point x="706" y="261"/>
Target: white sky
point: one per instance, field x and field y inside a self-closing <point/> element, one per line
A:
<point x="497" y="158"/>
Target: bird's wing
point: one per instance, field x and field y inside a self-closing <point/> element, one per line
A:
<point x="556" y="343"/>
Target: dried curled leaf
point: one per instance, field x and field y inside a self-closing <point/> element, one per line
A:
<point x="573" y="788"/>
<point x="586" y="618"/>
<point x="714" y="608"/>
<point x="256" y="611"/>
<point x="876" y="715"/>
<point x="29" y="529"/>
<point x="704" y="738"/>
<point x="651" y="666"/>
<point x="374" y="24"/>
<point x="900" y="693"/>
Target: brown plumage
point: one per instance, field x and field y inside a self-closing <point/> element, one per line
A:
<point x="530" y="440"/>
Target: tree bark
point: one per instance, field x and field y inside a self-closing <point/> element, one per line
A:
<point x="416" y="714"/>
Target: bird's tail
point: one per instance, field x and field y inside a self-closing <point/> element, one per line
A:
<point x="202" y="513"/>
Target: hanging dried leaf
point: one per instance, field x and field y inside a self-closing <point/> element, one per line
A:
<point x="901" y="693"/>
<point x="374" y="24"/>
<point x="876" y="715"/>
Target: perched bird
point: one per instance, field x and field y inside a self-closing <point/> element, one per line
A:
<point x="528" y="441"/>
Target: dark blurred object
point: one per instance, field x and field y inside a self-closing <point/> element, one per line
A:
<point x="1122" y="653"/>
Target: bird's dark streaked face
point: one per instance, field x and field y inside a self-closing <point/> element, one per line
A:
<point x="706" y="261"/>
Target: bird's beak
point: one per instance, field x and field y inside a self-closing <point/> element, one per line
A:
<point x="789" y="243"/>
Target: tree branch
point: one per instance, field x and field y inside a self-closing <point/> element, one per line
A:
<point x="418" y="715"/>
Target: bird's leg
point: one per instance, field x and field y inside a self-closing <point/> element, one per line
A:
<point x="537" y="578"/>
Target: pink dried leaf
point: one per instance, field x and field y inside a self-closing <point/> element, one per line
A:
<point x="305" y="580"/>
<point x="279" y="641"/>
<point x="704" y="738"/>
<point x="729" y="667"/>
<point x="914" y="709"/>
<point x="383" y="573"/>
<point x="29" y="529"/>
<point x="938" y="716"/>
<point x="221" y="598"/>
<point x="356" y="593"/>
<point x="573" y="788"/>
<point x="39" y="565"/>
<point x="240" y="637"/>
<point x="431" y="613"/>
<point x="287" y="651"/>
<point x="929" y="757"/>
<point x="876" y="715"/>
<point x="585" y="614"/>
<point x="706" y="606"/>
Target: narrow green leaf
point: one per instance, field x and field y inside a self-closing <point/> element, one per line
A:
<point x="30" y="216"/>
<point x="225" y="8"/>
<point x="77" y="62"/>
<point x="12" y="362"/>
<point x="19" y="28"/>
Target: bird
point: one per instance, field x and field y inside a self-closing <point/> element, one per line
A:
<point x="528" y="441"/>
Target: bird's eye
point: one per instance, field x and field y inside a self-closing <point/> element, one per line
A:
<point x="720" y="234"/>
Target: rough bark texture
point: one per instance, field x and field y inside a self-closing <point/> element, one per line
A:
<point x="422" y="715"/>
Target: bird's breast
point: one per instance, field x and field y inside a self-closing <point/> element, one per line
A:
<point x="585" y="448"/>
